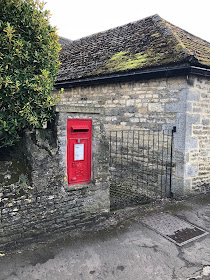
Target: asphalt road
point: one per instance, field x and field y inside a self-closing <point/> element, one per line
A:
<point x="128" y="250"/>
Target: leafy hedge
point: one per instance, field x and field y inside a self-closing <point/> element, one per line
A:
<point x="29" y="62"/>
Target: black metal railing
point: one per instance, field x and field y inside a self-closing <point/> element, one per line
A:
<point x="140" y="166"/>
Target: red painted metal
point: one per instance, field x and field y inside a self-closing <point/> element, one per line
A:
<point x="79" y="141"/>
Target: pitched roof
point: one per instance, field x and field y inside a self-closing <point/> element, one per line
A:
<point x="64" y="42"/>
<point x="146" y="44"/>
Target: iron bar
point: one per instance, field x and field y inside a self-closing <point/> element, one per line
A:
<point x="166" y="179"/>
<point x="121" y="166"/>
<point x="153" y="159"/>
<point x="138" y="162"/>
<point x="132" y="159"/>
<point x="110" y="149"/>
<point x="158" y="146"/>
<point x="171" y="165"/>
<point x="162" y="166"/>
<point x="148" y="159"/>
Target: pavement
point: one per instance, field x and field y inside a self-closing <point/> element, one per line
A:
<point x="120" y="248"/>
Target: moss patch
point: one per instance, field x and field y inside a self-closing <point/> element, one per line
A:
<point x="125" y="61"/>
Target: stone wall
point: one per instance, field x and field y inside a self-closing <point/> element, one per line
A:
<point x="35" y="200"/>
<point x="126" y="105"/>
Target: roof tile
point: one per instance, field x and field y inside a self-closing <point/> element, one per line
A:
<point x="149" y="43"/>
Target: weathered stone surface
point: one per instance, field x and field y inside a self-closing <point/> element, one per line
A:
<point x="45" y="204"/>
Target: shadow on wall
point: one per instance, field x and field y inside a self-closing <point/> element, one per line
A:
<point x="16" y="162"/>
<point x="15" y="171"/>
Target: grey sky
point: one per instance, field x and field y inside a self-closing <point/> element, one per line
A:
<point x="78" y="18"/>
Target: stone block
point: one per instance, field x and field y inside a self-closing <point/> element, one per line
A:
<point x="177" y="107"/>
<point x="131" y="109"/>
<point x="191" y="170"/>
<point x="143" y="110"/>
<point x="193" y="95"/>
<point x="192" y="119"/>
<point x="183" y="94"/>
<point x="177" y="186"/>
<point x="179" y="142"/>
<point x="181" y="123"/>
<point x="180" y="169"/>
<point x="189" y="130"/>
<point x="187" y="186"/>
<point x="130" y="102"/>
<point x="191" y="143"/>
<point x="134" y="120"/>
<point x="205" y="121"/>
<point x="188" y="106"/>
<point x="156" y="107"/>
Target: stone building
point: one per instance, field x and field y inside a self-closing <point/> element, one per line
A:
<point x="150" y="74"/>
<point x="146" y="74"/>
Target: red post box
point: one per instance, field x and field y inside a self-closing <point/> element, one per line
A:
<point x="79" y="140"/>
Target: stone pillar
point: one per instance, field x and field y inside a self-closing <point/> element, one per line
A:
<point x="97" y="201"/>
<point x="192" y="139"/>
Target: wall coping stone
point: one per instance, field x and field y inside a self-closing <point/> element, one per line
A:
<point x="79" y="109"/>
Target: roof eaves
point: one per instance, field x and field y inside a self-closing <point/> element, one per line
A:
<point x="172" y="71"/>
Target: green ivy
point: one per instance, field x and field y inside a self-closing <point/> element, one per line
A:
<point x="29" y="62"/>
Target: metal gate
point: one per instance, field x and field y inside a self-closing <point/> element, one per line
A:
<point x="140" y="166"/>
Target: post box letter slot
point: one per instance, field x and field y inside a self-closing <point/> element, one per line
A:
<point x="80" y="130"/>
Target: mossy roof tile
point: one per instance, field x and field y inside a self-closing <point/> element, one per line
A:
<point x="149" y="43"/>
